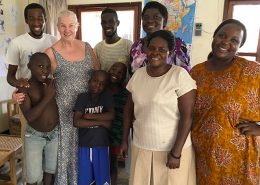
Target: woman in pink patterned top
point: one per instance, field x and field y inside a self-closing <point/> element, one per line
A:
<point x="154" y="18"/>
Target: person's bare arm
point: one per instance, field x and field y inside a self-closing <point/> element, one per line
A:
<point x="249" y="128"/>
<point x="50" y="54"/>
<point x="127" y="122"/>
<point x="95" y="61"/>
<point x="11" y="79"/>
<point x="32" y="113"/>
<point x="96" y="64"/>
<point x="185" y="105"/>
<point x="80" y="122"/>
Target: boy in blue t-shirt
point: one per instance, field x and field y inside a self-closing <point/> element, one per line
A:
<point x="93" y="114"/>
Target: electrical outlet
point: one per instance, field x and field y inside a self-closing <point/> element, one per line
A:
<point x="198" y="29"/>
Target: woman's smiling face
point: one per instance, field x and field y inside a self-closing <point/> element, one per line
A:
<point x="158" y="52"/>
<point x="152" y="20"/>
<point x="227" y="41"/>
<point x="67" y="27"/>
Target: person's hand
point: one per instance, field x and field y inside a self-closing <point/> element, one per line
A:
<point x="23" y="82"/>
<point x="49" y="89"/>
<point x="18" y="97"/>
<point x="123" y="150"/>
<point x="87" y="116"/>
<point x="248" y="128"/>
<point x="172" y="162"/>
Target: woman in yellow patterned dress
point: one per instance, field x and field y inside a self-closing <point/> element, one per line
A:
<point x="227" y="110"/>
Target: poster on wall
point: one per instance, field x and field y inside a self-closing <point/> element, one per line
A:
<point x="3" y="49"/>
<point x="181" y="18"/>
<point x="14" y="15"/>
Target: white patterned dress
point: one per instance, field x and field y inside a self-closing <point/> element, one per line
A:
<point x="71" y="79"/>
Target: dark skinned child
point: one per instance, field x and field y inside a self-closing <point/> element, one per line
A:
<point x="117" y="74"/>
<point x="40" y="110"/>
<point x="93" y="115"/>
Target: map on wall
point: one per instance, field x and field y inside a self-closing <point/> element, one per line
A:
<point x="181" y="18"/>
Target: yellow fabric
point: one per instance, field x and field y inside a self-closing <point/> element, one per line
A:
<point x="223" y="155"/>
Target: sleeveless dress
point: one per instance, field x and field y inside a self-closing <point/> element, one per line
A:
<point x="71" y="79"/>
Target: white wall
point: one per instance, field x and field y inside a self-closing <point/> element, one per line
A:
<point x="11" y="30"/>
<point x="210" y="14"/>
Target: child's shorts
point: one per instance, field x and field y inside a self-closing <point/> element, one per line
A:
<point x="93" y="166"/>
<point x="41" y="149"/>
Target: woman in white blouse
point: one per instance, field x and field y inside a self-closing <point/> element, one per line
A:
<point x="161" y="99"/>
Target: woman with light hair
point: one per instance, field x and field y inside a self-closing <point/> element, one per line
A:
<point x="72" y="62"/>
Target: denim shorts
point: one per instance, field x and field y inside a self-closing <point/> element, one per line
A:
<point x="41" y="149"/>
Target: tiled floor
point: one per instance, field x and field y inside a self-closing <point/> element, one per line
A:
<point x="122" y="175"/>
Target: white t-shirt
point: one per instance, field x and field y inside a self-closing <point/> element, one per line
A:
<point x="22" y="47"/>
<point x="156" y="107"/>
<point x="108" y="54"/>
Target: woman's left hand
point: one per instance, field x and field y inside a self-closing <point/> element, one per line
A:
<point x="172" y="162"/>
<point x="249" y="128"/>
<point x="18" y="97"/>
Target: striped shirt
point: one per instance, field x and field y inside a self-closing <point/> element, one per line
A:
<point x="108" y="54"/>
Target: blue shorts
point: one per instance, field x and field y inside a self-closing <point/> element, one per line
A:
<point x="41" y="150"/>
<point x="93" y="166"/>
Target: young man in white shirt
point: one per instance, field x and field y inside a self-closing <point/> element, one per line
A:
<point x="23" y="46"/>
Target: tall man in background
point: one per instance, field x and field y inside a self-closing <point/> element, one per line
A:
<point x="114" y="48"/>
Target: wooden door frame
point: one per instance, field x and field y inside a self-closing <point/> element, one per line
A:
<point x="228" y="11"/>
<point x="136" y="6"/>
<point x="228" y="6"/>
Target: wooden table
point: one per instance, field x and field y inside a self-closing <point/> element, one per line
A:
<point x="4" y="156"/>
<point x="9" y="147"/>
<point x="8" y="142"/>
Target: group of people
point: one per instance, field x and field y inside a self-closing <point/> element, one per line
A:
<point x="197" y="126"/>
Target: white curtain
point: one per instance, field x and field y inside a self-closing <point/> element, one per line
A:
<point x="53" y="7"/>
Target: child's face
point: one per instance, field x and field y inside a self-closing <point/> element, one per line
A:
<point x="41" y="68"/>
<point x="117" y="72"/>
<point x="97" y="83"/>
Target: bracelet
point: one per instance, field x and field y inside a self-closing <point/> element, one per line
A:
<point x="173" y="156"/>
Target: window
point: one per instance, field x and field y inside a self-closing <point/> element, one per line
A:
<point x="89" y="16"/>
<point x="246" y="11"/>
